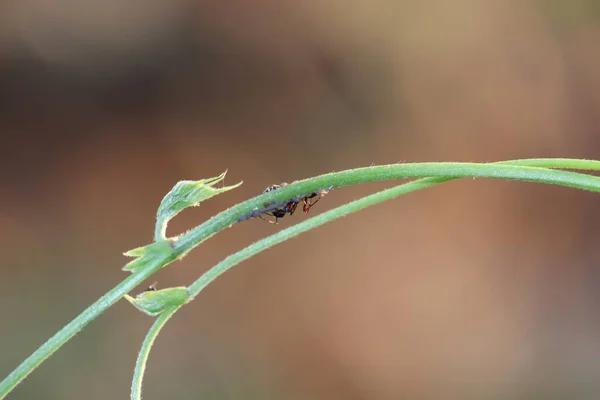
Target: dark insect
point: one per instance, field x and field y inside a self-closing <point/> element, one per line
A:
<point x="290" y="206"/>
<point x="151" y="288"/>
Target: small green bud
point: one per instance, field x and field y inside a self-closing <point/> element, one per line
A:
<point x="154" y="302"/>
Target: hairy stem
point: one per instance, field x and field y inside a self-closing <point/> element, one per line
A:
<point x="140" y="365"/>
<point x="518" y="170"/>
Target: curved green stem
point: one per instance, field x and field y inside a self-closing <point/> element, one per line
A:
<point x="140" y="365"/>
<point x="160" y="230"/>
<point x="560" y="163"/>
<point x="518" y="170"/>
<point x="526" y="170"/>
<point x="357" y="205"/>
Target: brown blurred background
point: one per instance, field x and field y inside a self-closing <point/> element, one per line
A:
<point x="471" y="290"/>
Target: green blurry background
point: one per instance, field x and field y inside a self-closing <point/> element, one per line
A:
<point x="474" y="289"/>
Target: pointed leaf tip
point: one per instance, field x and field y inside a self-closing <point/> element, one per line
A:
<point x="151" y="253"/>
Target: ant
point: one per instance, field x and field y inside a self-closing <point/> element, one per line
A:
<point x="290" y="206"/>
<point x="280" y="212"/>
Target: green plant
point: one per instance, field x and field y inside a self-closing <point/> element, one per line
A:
<point x="164" y="250"/>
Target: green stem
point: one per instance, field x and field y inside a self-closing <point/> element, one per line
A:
<point x="140" y="365"/>
<point x="160" y="230"/>
<point x="561" y="163"/>
<point x="518" y="170"/>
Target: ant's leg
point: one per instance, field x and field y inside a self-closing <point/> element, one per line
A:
<point x="292" y="207"/>
<point x="305" y="205"/>
<point x="309" y="203"/>
<point x="267" y="220"/>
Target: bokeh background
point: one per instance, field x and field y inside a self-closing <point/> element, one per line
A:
<point x="474" y="289"/>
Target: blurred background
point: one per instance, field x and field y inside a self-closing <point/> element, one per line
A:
<point x="474" y="289"/>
